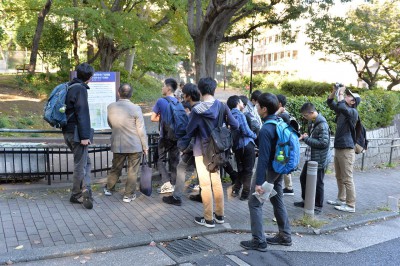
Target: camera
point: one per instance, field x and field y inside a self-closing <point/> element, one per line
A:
<point x="338" y="85"/>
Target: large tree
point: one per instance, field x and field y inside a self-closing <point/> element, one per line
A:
<point x="367" y="37"/>
<point x="213" y="22"/>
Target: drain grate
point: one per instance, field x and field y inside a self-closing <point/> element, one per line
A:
<point x="185" y="247"/>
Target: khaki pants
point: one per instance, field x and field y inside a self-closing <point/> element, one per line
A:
<point x="288" y="181"/>
<point x="210" y="184"/>
<point x="344" y="162"/>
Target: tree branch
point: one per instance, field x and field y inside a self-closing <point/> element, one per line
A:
<point x="164" y="20"/>
<point x="91" y="60"/>
<point x="191" y="26"/>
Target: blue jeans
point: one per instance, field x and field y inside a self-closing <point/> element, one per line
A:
<point x="82" y="165"/>
<point x="256" y="214"/>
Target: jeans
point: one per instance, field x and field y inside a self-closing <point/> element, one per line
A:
<point x="184" y="167"/>
<point x="82" y="165"/>
<point x="319" y="191"/>
<point x="245" y="158"/>
<point x="344" y="162"/>
<point x="169" y="147"/>
<point x="211" y="185"/>
<point x="256" y="213"/>
<point x="133" y="162"/>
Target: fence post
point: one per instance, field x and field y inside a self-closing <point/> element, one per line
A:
<point x="362" y="161"/>
<point x="391" y="152"/>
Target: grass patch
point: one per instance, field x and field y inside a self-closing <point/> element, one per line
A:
<point x="308" y="221"/>
<point x="4" y="122"/>
<point x="384" y="209"/>
<point x="391" y="165"/>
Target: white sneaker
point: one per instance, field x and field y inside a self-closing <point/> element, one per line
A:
<point x="336" y="202"/>
<point x="166" y="188"/>
<point x="107" y="192"/>
<point x="129" y="199"/>
<point x="345" y="208"/>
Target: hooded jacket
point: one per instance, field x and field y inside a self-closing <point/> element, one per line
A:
<point x="198" y="128"/>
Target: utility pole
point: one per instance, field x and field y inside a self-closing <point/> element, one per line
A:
<point x="251" y="64"/>
<point x="225" y="69"/>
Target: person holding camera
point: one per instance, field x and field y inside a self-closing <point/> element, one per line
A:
<point x="346" y="116"/>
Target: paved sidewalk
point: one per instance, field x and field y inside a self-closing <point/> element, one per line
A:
<point x="38" y="221"/>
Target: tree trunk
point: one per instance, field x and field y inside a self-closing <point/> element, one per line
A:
<point x="38" y="34"/>
<point x="75" y="37"/>
<point x="130" y="57"/>
<point x="391" y="85"/>
<point x="107" y="53"/>
<point x="89" y="43"/>
<point x="199" y="59"/>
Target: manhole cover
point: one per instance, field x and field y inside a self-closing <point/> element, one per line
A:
<point x="185" y="247"/>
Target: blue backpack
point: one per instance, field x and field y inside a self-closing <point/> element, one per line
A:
<point x="175" y="120"/>
<point x="54" y="110"/>
<point x="287" y="154"/>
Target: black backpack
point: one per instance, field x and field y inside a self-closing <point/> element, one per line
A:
<point x="359" y="135"/>
<point x="218" y="145"/>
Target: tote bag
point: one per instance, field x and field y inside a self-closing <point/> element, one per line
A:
<point x="145" y="178"/>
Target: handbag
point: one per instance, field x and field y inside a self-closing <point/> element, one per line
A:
<point x="145" y="178"/>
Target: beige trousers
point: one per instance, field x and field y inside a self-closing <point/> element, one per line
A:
<point x="344" y="163"/>
<point x="211" y="190"/>
<point x="288" y="181"/>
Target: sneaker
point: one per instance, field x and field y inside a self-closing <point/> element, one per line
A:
<point x="219" y="219"/>
<point x="194" y="187"/>
<point x="279" y="239"/>
<point x="87" y="199"/>
<point x="299" y="204"/>
<point x="76" y="199"/>
<point x="196" y="197"/>
<point x="235" y="193"/>
<point x="317" y="210"/>
<point x="244" y="197"/>
<point x="172" y="200"/>
<point x="107" y="192"/>
<point x="336" y="202"/>
<point x="166" y="188"/>
<point x="254" y="245"/>
<point x="128" y="199"/>
<point x="288" y="192"/>
<point x="204" y="222"/>
<point x="345" y="208"/>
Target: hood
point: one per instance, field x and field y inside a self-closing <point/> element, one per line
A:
<point x="208" y="109"/>
<point x="76" y="80"/>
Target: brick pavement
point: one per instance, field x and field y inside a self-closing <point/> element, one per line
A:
<point x="44" y="217"/>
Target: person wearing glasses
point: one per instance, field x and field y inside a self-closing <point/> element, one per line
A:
<point x="346" y="117"/>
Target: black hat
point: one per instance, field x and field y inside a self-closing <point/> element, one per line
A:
<point x="356" y="97"/>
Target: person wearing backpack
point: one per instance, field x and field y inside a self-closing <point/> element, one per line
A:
<point x="128" y="141"/>
<point x="243" y="147"/>
<point x="210" y="111"/>
<point x="267" y="106"/>
<point x="346" y="117"/>
<point x="167" y="145"/>
<point x="77" y="134"/>
<point x="318" y="142"/>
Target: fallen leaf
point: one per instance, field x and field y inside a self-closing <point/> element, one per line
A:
<point x="153" y="244"/>
<point x="36" y="242"/>
<point x="83" y="261"/>
<point x="91" y="235"/>
<point x="9" y="262"/>
<point x="77" y="257"/>
<point x="103" y="252"/>
<point x="245" y="252"/>
<point x="151" y="253"/>
<point x="109" y="236"/>
<point x="20" y="247"/>
<point x="87" y="258"/>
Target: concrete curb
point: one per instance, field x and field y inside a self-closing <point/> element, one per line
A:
<point x="105" y="245"/>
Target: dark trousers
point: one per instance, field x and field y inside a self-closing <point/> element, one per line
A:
<point x="245" y="158"/>
<point x="319" y="192"/>
<point x="170" y="148"/>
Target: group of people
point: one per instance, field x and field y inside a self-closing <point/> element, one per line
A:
<point x="254" y="142"/>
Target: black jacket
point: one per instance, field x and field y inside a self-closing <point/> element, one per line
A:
<point x="344" y="114"/>
<point x="319" y="140"/>
<point x="77" y="105"/>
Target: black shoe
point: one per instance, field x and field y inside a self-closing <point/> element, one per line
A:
<point x="87" y="200"/>
<point x="288" y="192"/>
<point x="196" y="198"/>
<point x="244" y="197"/>
<point x="172" y="200"/>
<point x="219" y="219"/>
<point x="235" y="193"/>
<point x="76" y="199"/>
<point x="299" y="204"/>
<point x="279" y="239"/>
<point x="204" y="222"/>
<point x="317" y="210"/>
<point x="254" y="245"/>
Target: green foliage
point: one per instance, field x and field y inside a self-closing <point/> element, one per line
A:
<point x="4" y="122"/>
<point x="262" y="82"/>
<point x="39" y="84"/>
<point x="306" y="87"/>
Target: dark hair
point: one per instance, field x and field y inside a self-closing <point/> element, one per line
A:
<point x="187" y="105"/>
<point x="191" y="90"/>
<point x="233" y="101"/>
<point x="125" y="91"/>
<point x="170" y="82"/>
<point x="244" y="99"/>
<point x="181" y="83"/>
<point x="207" y="86"/>
<point x="254" y="96"/>
<point x="84" y="72"/>
<point x="281" y="99"/>
<point x="269" y="101"/>
<point x="307" y="107"/>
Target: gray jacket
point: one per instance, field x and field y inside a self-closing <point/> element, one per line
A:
<point x="344" y="113"/>
<point x="319" y="141"/>
<point x="127" y="124"/>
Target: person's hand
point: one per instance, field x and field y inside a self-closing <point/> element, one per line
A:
<point x="85" y="142"/>
<point x="280" y="110"/>
<point x="303" y="136"/>
<point x="259" y="190"/>
<point x="342" y="89"/>
<point x="146" y="152"/>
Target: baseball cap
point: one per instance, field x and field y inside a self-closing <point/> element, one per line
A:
<point x="356" y="97"/>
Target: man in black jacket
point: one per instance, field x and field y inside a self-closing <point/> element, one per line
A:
<point x="77" y="134"/>
<point x="347" y="116"/>
<point x="317" y="140"/>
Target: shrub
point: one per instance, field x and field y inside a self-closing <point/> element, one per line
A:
<point x="4" y="122"/>
<point x="306" y="87"/>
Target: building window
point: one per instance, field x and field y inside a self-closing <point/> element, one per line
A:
<point x="294" y="54"/>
